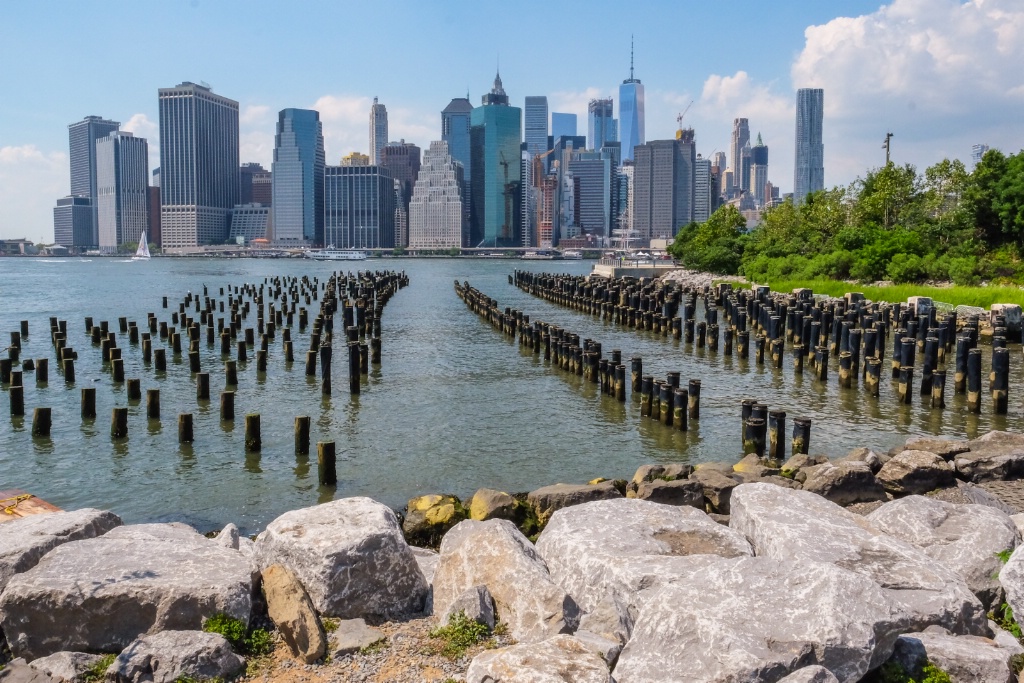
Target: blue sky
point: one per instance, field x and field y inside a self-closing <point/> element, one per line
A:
<point x="942" y="74"/>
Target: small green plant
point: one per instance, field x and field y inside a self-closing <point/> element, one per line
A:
<point x="253" y="642"/>
<point x="893" y="672"/>
<point x="933" y="674"/>
<point x="460" y="634"/>
<point x="374" y="647"/>
<point x="1003" y="616"/>
<point x="1004" y="555"/>
<point x="330" y="625"/>
<point x="98" y="671"/>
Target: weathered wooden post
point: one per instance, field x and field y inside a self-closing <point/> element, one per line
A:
<point x="679" y="407"/>
<point x="185" y="434"/>
<point x="326" y="354"/>
<point x="801" y="436"/>
<point x="753" y="436"/>
<point x="203" y="386"/>
<point x="938" y="389"/>
<point x="777" y="435"/>
<point x="89" y="403"/>
<point x="693" y="397"/>
<point x="1000" y="379"/>
<point x="974" y="380"/>
<point x="872" y="375"/>
<point x="845" y="369"/>
<point x="302" y="423"/>
<point x="16" y="394"/>
<point x="326" y="461"/>
<point x="42" y="420"/>
<point x="42" y="370"/>
<point x="119" y="423"/>
<point x="160" y="360"/>
<point x="364" y="358"/>
<point x="153" y="404"/>
<point x="905" y="389"/>
<point x="353" y="367"/>
<point x="665" y="402"/>
<point x="646" y="395"/>
<point x="931" y="360"/>
<point x="253" y="439"/>
<point x="742" y="343"/>
<point x="963" y="347"/>
<point x="620" y="383"/>
<point x="375" y="349"/>
<point x="227" y="406"/>
<point x="69" y="371"/>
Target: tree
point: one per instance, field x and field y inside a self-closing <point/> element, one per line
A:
<point x="889" y="196"/>
<point x="714" y="246"/>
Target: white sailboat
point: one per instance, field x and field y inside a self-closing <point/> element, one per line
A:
<point x="142" y="253"/>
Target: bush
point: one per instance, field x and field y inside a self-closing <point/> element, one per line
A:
<point x="963" y="271"/>
<point x="248" y="642"/>
<point x="905" y="268"/>
<point x="460" y="634"/>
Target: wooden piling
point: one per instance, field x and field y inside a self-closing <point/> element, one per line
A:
<point x="753" y="437"/>
<point x="364" y="358"/>
<point x="16" y="394"/>
<point x="325" y="368"/>
<point x="353" y="367"/>
<point x="620" y="383"/>
<point x="203" y="386"/>
<point x="777" y="435"/>
<point x="679" y="407"/>
<point x="693" y="397"/>
<point x="153" y="404"/>
<point x="5" y="370"/>
<point x="302" y="423"/>
<point x="119" y="423"/>
<point x="227" y="406"/>
<point x="41" y="422"/>
<point x="133" y="387"/>
<point x="42" y="370"/>
<point x="905" y="389"/>
<point x="963" y="347"/>
<point x="185" y="434"/>
<point x="938" y="389"/>
<point x="253" y="439"/>
<point x="160" y="360"/>
<point x="872" y="375"/>
<point x="69" y="371"/>
<point x="1000" y="379"/>
<point x="88" y="407"/>
<point x="974" y="380"/>
<point x="326" y="462"/>
<point x="230" y="373"/>
<point x="801" y="436"/>
<point x="646" y="395"/>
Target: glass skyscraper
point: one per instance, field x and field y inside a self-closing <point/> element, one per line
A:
<point x="536" y="113"/>
<point x="198" y="165"/>
<point x="359" y="207"/>
<point x="562" y="125"/>
<point x="378" y="130"/>
<point x="759" y="172"/>
<point x="631" y="112"/>
<point x="809" y="169"/>
<point x="495" y="140"/>
<point x="740" y="139"/>
<point x="297" y="177"/>
<point x="602" y="127"/>
<point x="122" y="187"/>
<point x="82" y="137"/>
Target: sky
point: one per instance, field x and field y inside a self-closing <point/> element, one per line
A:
<point x="941" y="75"/>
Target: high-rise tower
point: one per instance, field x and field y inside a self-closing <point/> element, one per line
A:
<point x="664" y="178"/>
<point x="740" y="139"/>
<point x="809" y="169"/>
<point x="602" y="127"/>
<point x="82" y="137"/>
<point x="759" y="172"/>
<point x="495" y="140"/>
<point x="436" y="211"/>
<point x="378" y="130"/>
<point x="536" y="124"/>
<point x="631" y="111"/>
<point x="402" y="159"/>
<point x="122" y="189"/>
<point x="297" y="177"/>
<point x="455" y="131"/>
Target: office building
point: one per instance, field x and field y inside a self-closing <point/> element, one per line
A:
<point x="401" y="217"/>
<point x="198" y="166"/>
<point x="153" y="201"/>
<point x="378" y="130"/>
<point x="82" y="137"/>
<point x="528" y="236"/>
<point x="536" y="124"/>
<point x="250" y="222"/>
<point x="593" y="173"/>
<point x="359" y="207"/>
<point x="746" y="168"/>
<point x="703" y="188"/>
<point x="759" y="172"/>
<point x="809" y="168"/>
<point x="740" y="139"/>
<point x="495" y="141"/>
<point x="255" y="185"/>
<point x="122" y="189"/>
<point x="298" y="178"/>
<point x="546" y="194"/>
<point x="436" y="211"/>
<point x="72" y="223"/>
<point x="631" y="112"/>
<point x="624" y="221"/>
<point x="355" y="159"/>
<point x="977" y="152"/>
<point x="402" y="159"/>
<point x="562" y="125"/>
<point x="663" y="186"/>
<point x="455" y="126"/>
<point x="602" y="127"/>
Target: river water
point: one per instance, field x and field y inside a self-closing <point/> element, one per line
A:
<point x="454" y="406"/>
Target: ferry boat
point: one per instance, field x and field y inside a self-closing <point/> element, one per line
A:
<point x="572" y="254"/>
<point x="333" y="254"/>
<point x="541" y="255"/>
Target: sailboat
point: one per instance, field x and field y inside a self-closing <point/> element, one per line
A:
<point x="142" y="253"/>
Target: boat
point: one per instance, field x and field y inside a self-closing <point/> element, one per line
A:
<point x="333" y="254"/>
<point x="142" y="253"/>
<point x="572" y="254"/>
<point x="539" y="256"/>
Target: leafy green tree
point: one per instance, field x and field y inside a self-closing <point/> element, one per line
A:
<point x="715" y="246"/>
<point x="889" y="196"/>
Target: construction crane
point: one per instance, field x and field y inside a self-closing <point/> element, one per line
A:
<point x="679" y="118"/>
<point x="508" y="192"/>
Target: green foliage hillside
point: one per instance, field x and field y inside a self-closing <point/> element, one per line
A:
<point x="895" y="224"/>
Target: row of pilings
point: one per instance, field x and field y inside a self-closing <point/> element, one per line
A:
<point x="811" y="331"/>
<point x="665" y="401"/>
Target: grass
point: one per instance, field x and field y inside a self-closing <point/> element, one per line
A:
<point x="982" y="297"/>
<point x="98" y="671"/>
<point x="1003" y="616"/>
<point x="254" y="642"/>
<point x="374" y="647"/>
<point x="892" y="672"/>
<point x="459" y="635"/>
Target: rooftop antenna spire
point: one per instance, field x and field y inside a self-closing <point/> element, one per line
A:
<point x="631" y="56"/>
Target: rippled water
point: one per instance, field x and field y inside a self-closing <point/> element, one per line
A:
<point x="453" y="407"/>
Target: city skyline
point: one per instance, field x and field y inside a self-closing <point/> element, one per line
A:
<point x="864" y="100"/>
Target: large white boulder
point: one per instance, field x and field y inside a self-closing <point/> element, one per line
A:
<point x="786" y="524"/>
<point x="967" y="659"/>
<point x="559" y="659"/>
<point x="171" y="656"/>
<point x="495" y="554"/>
<point x="351" y="557"/>
<point x="759" y="619"/>
<point x="625" y="546"/>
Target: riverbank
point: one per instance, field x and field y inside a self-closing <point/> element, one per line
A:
<point x="979" y="297"/>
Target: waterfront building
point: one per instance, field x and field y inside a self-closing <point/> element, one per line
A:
<point x="602" y="127"/>
<point x="72" y="222"/>
<point x="624" y="185"/>
<point x="122" y="189"/>
<point x="402" y="159"/>
<point x="809" y="169"/>
<point x="436" y="210"/>
<point x="355" y="159"/>
<point x="359" y="207"/>
<point x="663" y="186"/>
<point x="495" y="141"/>
<point x="977" y="152"/>
<point x="255" y="184"/>
<point x="759" y="172"/>
<point x="198" y="165"/>
<point x="631" y="112"/>
<point x="562" y="125"/>
<point x="703" y="189"/>
<point x="249" y="222"/>
<point x="547" y="191"/>
<point x="298" y="178"/>
<point x="593" y="173"/>
<point x="536" y="124"/>
<point x="378" y="130"/>
<point x="740" y="139"/>
<point x="401" y="217"/>
<point x="82" y="137"/>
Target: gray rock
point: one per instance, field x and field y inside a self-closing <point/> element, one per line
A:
<point x="546" y="500"/>
<point x="607" y="628"/>
<point x="351" y="557"/>
<point x="946" y="449"/>
<point x="292" y="612"/>
<point x="352" y="635"/>
<point x="497" y="555"/>
<point x="1005" y="639"/>
<point x="648" y="473"/>
<point x="915" y="472"/>
<point x="561" y="658"/>
<point x="981" y="496"/>
<point x="965" y="538"/>
<point x="967" y="659"/>
<point x="801" y="461"/>
<point x="491" y="504"/>
<point x="67" y="667"/>
<point x="229" y="537"/>
<point x="99" y="594"/>
<point x="811" y="674"/>
<point x="797" y="525"/>
<point x="866" y="456"/>
<point x="168" y="656"/>
<point x="476" y="603"/>
<point x="605" y="648"/>
<point x="717" y="488"/>
<point x="844" y="483"/>
<point x="1018" y="520"/>
<point x="25" y="540"/>
<point x="17" y="671"/>
<point x="753" y="466"/>
<point x="427" y="560"/>
<point x="993" y="457"/>
<point x="621" y="547"/>
<point x="676" y="492"/>
<point x="1011" y="578"/>
<point x="731" y="622"/>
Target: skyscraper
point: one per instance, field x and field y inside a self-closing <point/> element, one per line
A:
<point x="495" y="140"/>
<point x="601" y="126"/>
<point x="72" y="222"/>
<point x="82" y="137"/>
<point x="631" y="111"/>
<point x="536" y="114"/>
<point x="436" y="212"/>
<point x="562" y="125"/>
<point x="378" y="130"/>
<point x="663" y="186"/>
<point x="355" y="159"/>
<point x="255" y="186"/>
<point x="593" y="173"/>
<point x="702" y="190"/>
<point x="759" y="172"/>
<point x="977" y="152"/>
<point x="809" y="169"/>
<point x="745" y="167"/>
<point x="402" y="159"/>
<point x="298" y="177"/>
<point x="122" y="189"/>
<point x="198" y="165"/>
<point x="740" y="139"/>
<point x="359" y="207"/>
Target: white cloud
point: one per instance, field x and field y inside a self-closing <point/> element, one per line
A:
<point x="144" y="127"/>
<point x="346" y="124"/>
<point x="31" y="181"/>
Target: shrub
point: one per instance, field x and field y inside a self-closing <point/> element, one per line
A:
<point x="248" y="642"/>
<point x="905" y="268"/>
<point x="460" y="634"/>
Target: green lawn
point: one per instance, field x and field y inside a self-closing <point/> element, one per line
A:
<point x="983" y="297"/>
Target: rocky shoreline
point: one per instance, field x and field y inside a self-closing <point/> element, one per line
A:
<point x="860" y="568"/>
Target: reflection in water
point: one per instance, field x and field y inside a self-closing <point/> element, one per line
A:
<point x="252" y="462"/>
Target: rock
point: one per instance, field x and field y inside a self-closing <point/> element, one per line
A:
<point x="993" y="457"/>
<point x="1004" y="639"/>
<point x="351" y="557"/>
<point x="352" y="635"/>
<point x="965" y="538"/>
<point x="476" y="603"/>
<point x="495" y="554"/>
<point x="546" y="500"/>
<point x="605" y="648"/>
<point x="561" y="658"/>
<point x="732" y="622"/>
<point x="292" y="612"/>
<point x="981" y="496"/>
<point x="607" y="628"/>
<point x="801" y="461"/>
<point x="25" y="540"/>
<point x="67" y="667"/>
<point x="247" y="547"/>
<point x="844" y="483"/>
<point x="427" y="560"/>
<point x="717" y="488"/>
<point x="99" y="594"/>
<point x="168" y="656"/>
<point x="427" y="518"/>
<point x="17" y="671"/>
<point x="491" y="504"/>
<point x="811" y="674"/>
<point x="1018" y="520"/>
<point x="867" y="456"/>
<point x="797" y="525"/>
<point x="1011" y="578"/>
<point x="913" y="472"/>
<point x="621" y="547"/>
<point x="753" y="466"/>
<point x="677" y="492"/>
<point x="648" y="473"/>
<point x="967" y="659"/>
<point x="946" y="449"/>
<point x="228" y="537"/>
